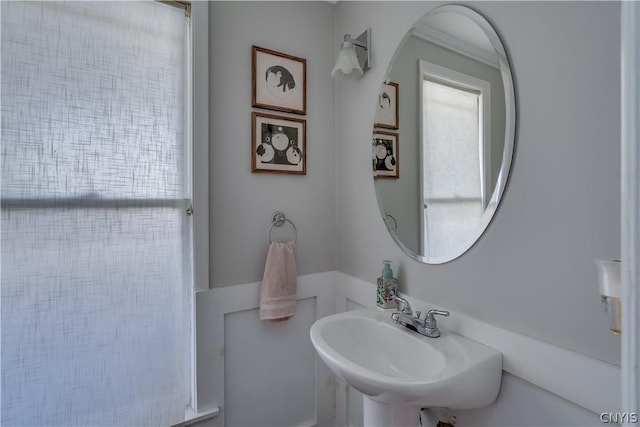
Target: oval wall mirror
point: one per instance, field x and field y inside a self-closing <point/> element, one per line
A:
<point x="443" y="134"/>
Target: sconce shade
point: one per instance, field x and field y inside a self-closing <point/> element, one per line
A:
<point x="347" y="64"/>
<point x="609" y="277"/>
<point x="611" y="291"/>
<point x="353" y="57"/>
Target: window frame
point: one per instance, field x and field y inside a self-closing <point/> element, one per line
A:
<point x="199" y="62"/>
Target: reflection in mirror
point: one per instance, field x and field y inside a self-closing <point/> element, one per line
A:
<point x="456" y="117"/>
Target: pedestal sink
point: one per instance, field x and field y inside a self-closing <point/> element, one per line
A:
<point x="400" y="371"/>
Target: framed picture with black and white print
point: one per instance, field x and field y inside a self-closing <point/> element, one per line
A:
<point x="278" y="144"/>
<point x="278" y="81"/>
<point x="387" y="110"/>
<point x="385" y="155"/>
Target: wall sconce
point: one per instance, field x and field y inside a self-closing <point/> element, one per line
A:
<point x="610" y="290"/>
<point x="354" y="56"/>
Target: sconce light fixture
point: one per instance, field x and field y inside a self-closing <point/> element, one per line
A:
<point x="354" y="56"/>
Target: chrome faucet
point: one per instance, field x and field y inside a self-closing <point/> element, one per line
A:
<point x="427" y="326"/>
<point x="406" y="307"/>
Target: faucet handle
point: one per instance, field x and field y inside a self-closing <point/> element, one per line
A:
<point x="431" y="313"/>
<point x="406" y="307"/>
<point x="431" y="329"/>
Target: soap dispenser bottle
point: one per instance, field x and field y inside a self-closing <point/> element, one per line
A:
<point x="387" y="287"/>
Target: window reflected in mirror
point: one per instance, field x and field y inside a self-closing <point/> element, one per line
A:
<point x="456" y="120"/>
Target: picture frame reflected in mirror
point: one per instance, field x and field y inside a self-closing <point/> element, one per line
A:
<point x="387" y="110"/>
<point x="385" y="154"/>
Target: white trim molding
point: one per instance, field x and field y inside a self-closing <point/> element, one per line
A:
<point x="587" y="382"/>
<point x="630" y="195"/>
<point x="447" y="41"/>
<point x="199" y="112"/>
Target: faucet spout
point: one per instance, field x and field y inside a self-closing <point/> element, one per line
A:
<point x="407" y="320"/>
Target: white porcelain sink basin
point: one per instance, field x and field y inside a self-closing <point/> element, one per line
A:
<point x="393" y="365"/>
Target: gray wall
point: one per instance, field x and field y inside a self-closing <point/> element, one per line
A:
<point x="532" y="270"/>
<point x="241" y="203"/>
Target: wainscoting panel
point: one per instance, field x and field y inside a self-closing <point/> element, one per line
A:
<point x="263" y="373"/>
<point x="269" y="365"/>
<point x="349" y="400"/>
<point x="267" y="374"/>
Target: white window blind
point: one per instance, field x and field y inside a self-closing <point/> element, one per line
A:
<point x="96" y="244"/>
<point x="452" y="166"/>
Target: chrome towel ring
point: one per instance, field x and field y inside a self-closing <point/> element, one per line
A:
<point x="388" y="218"/>
<point x="278" y="219"/>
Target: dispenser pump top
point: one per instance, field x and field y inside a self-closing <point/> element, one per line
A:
<point x="387" y="273"/>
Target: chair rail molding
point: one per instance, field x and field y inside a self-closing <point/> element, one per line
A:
<point x="232" y="341"/>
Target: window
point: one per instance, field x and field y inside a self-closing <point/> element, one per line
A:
<point x="455" y="156"/>
<point x="96" y="267"/>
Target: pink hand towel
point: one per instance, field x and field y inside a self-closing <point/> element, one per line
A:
<point x="278" y="292"/>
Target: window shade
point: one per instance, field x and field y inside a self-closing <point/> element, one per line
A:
<point x="451" y="159"/>
<point x="96" y="263"/>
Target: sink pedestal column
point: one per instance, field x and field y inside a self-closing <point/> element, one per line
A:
<point x="378" y="414"/>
